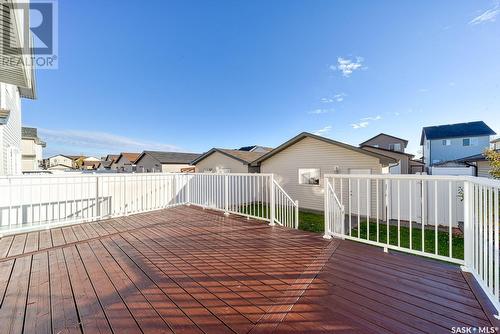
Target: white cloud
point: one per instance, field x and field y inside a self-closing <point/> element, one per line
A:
<point x="347" y="66"/>
<point x="327" y="100"/>
<point x="372" y="118"/>
<point x="336" y="98"/>
<point x="423" y="90"/>
<point x="93" y="142"/>
<point x="323" y="131"/>
<point x="320" y="111"/>
<point x="360" y="125"/>
<point x="487" y="16"/>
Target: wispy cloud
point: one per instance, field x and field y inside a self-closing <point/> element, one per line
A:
<point x="96" y="143"/>
<point x="489" y="15"/>
<point x="348" y="66"/>
<point x="360" y="125"/>
<point x="320" y="111"/>
<point x="372" y="118"/>
<point x="336" y="98"/>
<point x="323" y="131"/>
<point x="423" y="90"/>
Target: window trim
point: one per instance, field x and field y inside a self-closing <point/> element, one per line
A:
<point x="469" y="142"/>
<point x="309" y="184"/>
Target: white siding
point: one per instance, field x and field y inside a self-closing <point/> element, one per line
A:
<point x="10" y="133"/>
<point x="218" y="160"/>
<point x="314" y="153"/>
<point x="483" y="169"/>
<point x="173" y="168"/>
<point x="31" y="155"/>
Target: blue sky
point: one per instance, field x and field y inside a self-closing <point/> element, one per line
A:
<point x="191" y="75"/>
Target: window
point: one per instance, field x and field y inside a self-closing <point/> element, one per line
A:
<point x="446" y="142"/>
<point x="309" y="176"/>
<point x="224" y="170"/>
<point x="395" y="147"/>
<point x="466" y="142"/>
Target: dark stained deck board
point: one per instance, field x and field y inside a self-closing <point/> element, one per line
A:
<point x="188" y="270"/>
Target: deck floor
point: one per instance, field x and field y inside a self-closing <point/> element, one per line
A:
<point x="187" y="270"/>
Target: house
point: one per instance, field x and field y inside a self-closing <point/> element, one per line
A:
<point x="454" y="141"/>
<point x="386" y="142"/>
<point x="106" y="162"/>
<point x="90" y="165"/>
<point x="255" y="148"/>
<point x="300" y="164"/>
<point x="495" y="144"/>
<point x="60" y="162"/>
<point x="17" y="80"/>
<point x="165" y="162"/>
<point x="92" y="159"/>
<point x="220" y="160"/>
<point x="394" y="147"/>
<point x="125" y="163"/>
<point x="481" y="165"/>
<point x="31" y="150"/>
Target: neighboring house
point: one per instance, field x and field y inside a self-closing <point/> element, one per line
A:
<point x="90" y="164"/>
<point x="165" y="162"/>
<point x="125" y="163"/>
<point x="300" y="164"/>
<point x="386" y="142"/>
<point x="495" y="144"/>
<point x="31" y="149"/>
<point x="255" y="148"/>
<point x="17" y="80"/>
<point x="92" y="159"/>
<point x="219" y="160"/>
<point x="480" y="163"/>
<point x="107" y="162"/>
<point x="454" y="141"/>
<point x="393" y="147"/>
<point x="60" y="162"/>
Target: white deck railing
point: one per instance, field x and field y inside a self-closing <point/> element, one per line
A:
<point x="44" y="201"/>
<point x="450" y="218"/>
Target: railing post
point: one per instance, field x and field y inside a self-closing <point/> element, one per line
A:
<point x="97" y="207"/>
<point x="296" y="214"/>
<point x="468" y="229"/>
<point x="326" y="209"/>
<point x="188" y="190"/>
<point x="226" y="195"/>
<point x="272" y="200"/>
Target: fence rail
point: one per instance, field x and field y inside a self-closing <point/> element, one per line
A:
<point x="450" y="218"/>
<point x="43" y="201"/>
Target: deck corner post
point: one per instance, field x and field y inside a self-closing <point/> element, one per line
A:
<point x="468" y="229"/>
<point x="271" y="208"/>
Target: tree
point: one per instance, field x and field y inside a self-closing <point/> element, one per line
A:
<point x="494" y="159"/>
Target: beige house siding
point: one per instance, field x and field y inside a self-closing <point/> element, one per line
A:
<point x="483" y="169"/>
<point x="402" y="158"/>
<point x="385" y="141"/>
<point x="218" y="160"/>
<point x="313" y="153"/>
<point x="173" y="168"/>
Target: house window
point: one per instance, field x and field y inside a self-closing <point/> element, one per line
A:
<point x="466" y="142"/>
<point x="446" y="142"/>
<point x="309" y="176"/>
<point x="395" y="147"/>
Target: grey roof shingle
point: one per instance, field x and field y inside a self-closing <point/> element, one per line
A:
<point x="172" y="157"/>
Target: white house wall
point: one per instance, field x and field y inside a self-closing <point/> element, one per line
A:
<point x="219" y="161"/>
<point x="314" y="153"/>
<point x="10" y="132"/>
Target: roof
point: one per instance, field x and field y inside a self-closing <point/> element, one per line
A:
<point x="476" y="157"/>
<point x="478" y="128"/>
<point x="390" y="151"/>
<point x="495" y="141"/>
<point x="299" y="137"/>
<point x="251" y="148"/>
<point x="112" y="157"/>
<point x="132" y="157"/>
<point x="170" y="157"/>
<point x="31" y="133"/>
<point x="384" y="134"/>
<point x="245" y="157"/>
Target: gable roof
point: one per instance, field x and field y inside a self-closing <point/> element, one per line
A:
<point x="32" y="133"/>
<point x="253" y="147"/>
<point x="478" y="128"/>
<point x="409" y="155"/>
<point x="111" y="157"/>
<point x="476" y="157"/>
<point x="384" y="134"/>
<point x="299" y="137"/>
<point x="170" y="157"/>
<point x="132" y="157"/>
<point x="245" y="157"/>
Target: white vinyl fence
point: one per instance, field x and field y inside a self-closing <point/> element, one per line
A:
<point x="450" y="218"/>
<point x="43" y="201"/>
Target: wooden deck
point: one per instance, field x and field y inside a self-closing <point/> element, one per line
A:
<point x="186" y="270"/>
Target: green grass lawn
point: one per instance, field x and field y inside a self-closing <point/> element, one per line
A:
<point x="314" y="222"/>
